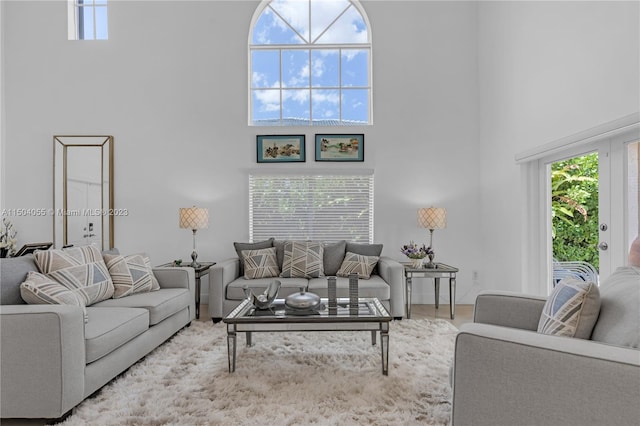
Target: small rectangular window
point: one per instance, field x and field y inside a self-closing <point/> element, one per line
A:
<point x="87" y="20"/>
<point x="327" y="207"/>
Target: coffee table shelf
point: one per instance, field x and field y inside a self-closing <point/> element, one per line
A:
<point x="370" y="315"/>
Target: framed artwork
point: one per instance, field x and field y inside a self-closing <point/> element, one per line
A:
<point x="280" y="148"/>
<point x="339" y="147"/>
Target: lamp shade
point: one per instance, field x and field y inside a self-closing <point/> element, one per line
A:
<point x="194" y="218"/>
<point x="432" y="218"/>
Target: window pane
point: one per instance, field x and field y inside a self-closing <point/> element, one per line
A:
<point x="355" y="67"/>
<point x="295" y="13"/>
<point x="101" y="23"/>
<point x="350" y="28"/>
<point x="87" y="23"/>
<point x="355" y="105"/>
<point x="323" y="13"/>
<point x="295" y="105"/>
<point x="303" y="74"/>
<point x="266" y="107"/>
<point x="324" y="68"/>
<point x="266" y="69"/>
<point x="326" y="105"/>
<point x="270" y="29"/>
<point x="295" y="68"/>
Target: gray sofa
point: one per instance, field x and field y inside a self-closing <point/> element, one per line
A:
<point x="505" y="373"/>
<point x="51" y="360"/>
<point x="387" y="282"/>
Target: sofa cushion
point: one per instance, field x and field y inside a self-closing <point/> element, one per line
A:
<point x="13" y="271"/>
<point x="260" y="263"/>
<point x="303" y="259"/>
<point x="235" y="289"/>
<point x="373" y="287"/>
<point x="161" y="304"/>
<point x="357" y="264"/>
<point x="365" y="249"/>
<point x="131" y="274"/>
<point x="110" y="328"/>
<point x="250" y="246"/>
<point x="619" y="320"/>
<point x="81" y="269"/>
<point x="39" y="289"/>
<point x="571" y="309"/>
<point x="333" y="257"/>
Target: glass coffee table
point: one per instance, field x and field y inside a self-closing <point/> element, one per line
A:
<point x="369" y="315"/>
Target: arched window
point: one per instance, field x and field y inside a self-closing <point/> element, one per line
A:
<point x="309" y="64"/>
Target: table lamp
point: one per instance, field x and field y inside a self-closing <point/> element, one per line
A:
<point x="432" y="218"/>
<point x="194" y="218"/>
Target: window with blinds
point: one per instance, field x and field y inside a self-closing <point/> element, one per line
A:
<point x="326" y="207"/>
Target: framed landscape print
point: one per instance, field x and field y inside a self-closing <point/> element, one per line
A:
<point x="280" y="148"/>
<point x="339" y="147"/>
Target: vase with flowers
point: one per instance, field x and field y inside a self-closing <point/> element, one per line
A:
<point x="416" y="253"/>
<point x="7" y="238"/>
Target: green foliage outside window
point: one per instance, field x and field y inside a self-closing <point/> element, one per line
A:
<point x="574" y="203"/>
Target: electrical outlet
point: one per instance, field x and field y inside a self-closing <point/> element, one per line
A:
<point x="475" y="277"/>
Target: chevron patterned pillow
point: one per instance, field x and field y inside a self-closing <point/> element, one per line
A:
<point x="80" y="269"/>
<point x="38" y="289"/>
<point x="130" y="274"/>
<point x="260" y="263"/>
<point x="571" y="310"/>
<point x="303" y="259"/>
<point x="357" y="264"/>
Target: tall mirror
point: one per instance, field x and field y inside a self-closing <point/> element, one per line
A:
<point x="83" y="191"/>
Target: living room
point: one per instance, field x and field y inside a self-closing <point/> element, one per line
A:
<point x="460" y="89"/>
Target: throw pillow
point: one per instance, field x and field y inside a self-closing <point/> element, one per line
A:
<point x="260" y="263"/>
<point x="303" y="259"/>
<point x="130" y="274"/>
<point x="366" y="249"/>
<point x="38" y="289"/>
<point x="571" y="310"/>
<point x="251" y="246"/>
<point x="357" y="264"/>
<point x="333" y="257"/>
<point x="619" y="322"/>
<point x="80" y="269"/>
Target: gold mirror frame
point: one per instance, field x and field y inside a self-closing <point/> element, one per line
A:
<point x="65" y="149"/>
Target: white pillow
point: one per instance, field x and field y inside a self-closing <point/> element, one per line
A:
<point x="571" y="310"/>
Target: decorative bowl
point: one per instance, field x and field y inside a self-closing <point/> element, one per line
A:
<point x="264" y="300"/>
<point x="302" y="301"/>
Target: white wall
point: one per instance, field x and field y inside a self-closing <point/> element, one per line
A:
<point x="460" y="88"/>
<point x="547" y="70"/>
<point x="170" y="84"/>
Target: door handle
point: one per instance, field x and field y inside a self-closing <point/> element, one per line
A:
<point x="603" y="246"/>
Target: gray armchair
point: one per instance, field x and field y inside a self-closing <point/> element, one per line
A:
<point x="505" y="373"/>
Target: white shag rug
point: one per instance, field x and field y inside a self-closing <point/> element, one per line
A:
<point x="318" y="378"/>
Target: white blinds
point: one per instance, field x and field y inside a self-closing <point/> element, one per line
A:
<point x="327" y="207"/>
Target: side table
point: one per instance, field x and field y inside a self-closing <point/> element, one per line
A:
<point x="201" y="271"/>
<point x="440" y="271"/>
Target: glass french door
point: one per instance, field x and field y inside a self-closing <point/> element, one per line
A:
<point x="592" y="199"/>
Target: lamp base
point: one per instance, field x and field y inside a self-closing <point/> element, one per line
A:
<point x="194" y="263"/>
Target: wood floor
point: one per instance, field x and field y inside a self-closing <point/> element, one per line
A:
<point x="464" y="314"/>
